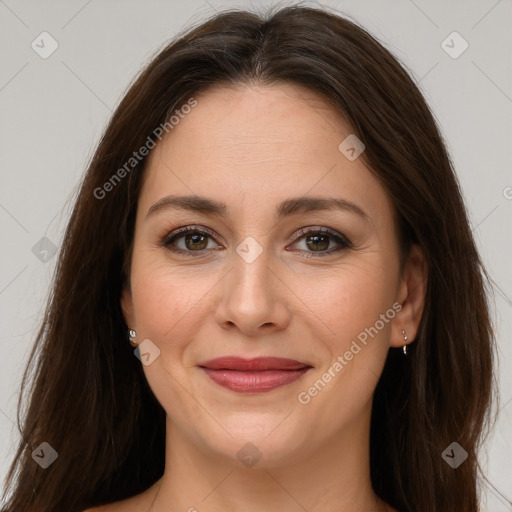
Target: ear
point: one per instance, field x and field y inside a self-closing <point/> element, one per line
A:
<point x="411" y="295"/>
<point x="127" y="307"/>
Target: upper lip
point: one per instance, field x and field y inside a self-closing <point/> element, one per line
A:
<point x="255" y="364"/>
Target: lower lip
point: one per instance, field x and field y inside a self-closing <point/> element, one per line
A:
<point x="254" y="382"/>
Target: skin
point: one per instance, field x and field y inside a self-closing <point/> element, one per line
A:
<point x="252" y="147"/>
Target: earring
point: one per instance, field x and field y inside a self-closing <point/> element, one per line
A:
<point x="404" y="348"/>
<point x="132" y="335"/>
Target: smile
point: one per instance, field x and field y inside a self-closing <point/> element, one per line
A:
<point x="253" y="375"/>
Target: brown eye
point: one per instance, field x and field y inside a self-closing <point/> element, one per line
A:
<point x="193" y="241"/>
<point x="190" y="240"/>
<point x="318" y="240"/>
<point x="196" y="241"/>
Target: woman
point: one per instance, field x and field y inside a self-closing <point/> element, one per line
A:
<point x="268" y="295"/>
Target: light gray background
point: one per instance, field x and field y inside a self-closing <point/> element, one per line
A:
<point x="53" y="111"/>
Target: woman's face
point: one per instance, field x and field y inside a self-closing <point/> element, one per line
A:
<point x="258" y="280"/>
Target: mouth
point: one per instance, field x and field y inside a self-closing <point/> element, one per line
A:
<point x="257" y="375"/>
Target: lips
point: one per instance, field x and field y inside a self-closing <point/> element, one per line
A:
<point x="253" y="375"/>
<point x="257" y="364"/>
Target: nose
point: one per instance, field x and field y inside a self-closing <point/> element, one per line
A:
<point x="254" y="297"/>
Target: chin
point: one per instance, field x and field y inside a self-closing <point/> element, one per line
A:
<point x="258" y="443"/>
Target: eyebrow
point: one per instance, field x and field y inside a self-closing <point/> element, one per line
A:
<point x="291" y="206"/>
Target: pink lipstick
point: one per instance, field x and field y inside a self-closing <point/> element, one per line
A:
<point x="253" y="375"/>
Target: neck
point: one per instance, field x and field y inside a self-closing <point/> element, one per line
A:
<point x="334" y="477"/>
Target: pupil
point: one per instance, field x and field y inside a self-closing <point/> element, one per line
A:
<point x="315" y="239"/>
<point x="196" y="239"/>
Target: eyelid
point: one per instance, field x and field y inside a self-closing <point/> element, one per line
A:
<point x="321" y="229"/>
<point x="341" y="240"/>
<point x="179" y="232"/>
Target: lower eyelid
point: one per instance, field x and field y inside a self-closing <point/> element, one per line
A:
<point x="168" y="242"/>
<point x="340" y="240"/>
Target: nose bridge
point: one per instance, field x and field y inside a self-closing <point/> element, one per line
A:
<point x="252" y="297"/>
<point x="252" y="276"/>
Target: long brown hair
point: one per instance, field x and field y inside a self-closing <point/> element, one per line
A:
<point x="89" y="398"/>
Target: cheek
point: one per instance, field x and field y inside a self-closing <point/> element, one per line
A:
<point x="169" y="312"/>
<point x="351" y="300"/>
<point x="168" y="304"/>
<point x="356" y="342"/>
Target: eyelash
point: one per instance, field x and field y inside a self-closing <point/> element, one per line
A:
<point x="179" y="233"/>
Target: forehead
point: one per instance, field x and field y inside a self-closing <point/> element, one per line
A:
<point x="252" y="145"/>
